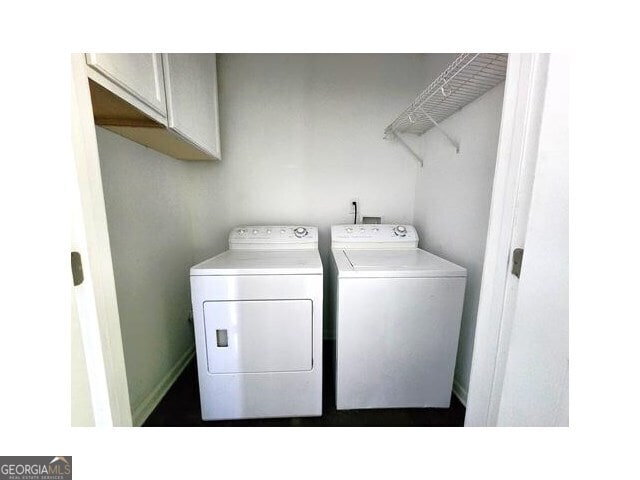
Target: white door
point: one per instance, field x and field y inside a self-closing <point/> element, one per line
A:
<point x="535" y="389"/>
<point x="519" y="373"/>
<point x="81" y="403"/>
<point x="192" y="98"/>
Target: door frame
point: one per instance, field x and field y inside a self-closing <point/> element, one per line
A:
<point x="513" y="183"/>
<point x="95" y="297"/>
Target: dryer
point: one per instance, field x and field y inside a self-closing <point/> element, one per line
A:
<point x="257" y="312"/>
<point x="397" y="313"/>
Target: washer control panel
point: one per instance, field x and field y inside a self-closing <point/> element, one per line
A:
<point x="374" y="236"/>
<point x="273" y="236"/>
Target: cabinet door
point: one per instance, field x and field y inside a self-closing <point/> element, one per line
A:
<point x="138" y="75"/>
<point x="192" y="98"/>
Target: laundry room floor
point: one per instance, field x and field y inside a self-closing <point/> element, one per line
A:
<point x="180" y="407"/>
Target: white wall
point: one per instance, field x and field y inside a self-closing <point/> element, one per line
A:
<point x="302" y="136"/>
<point x="152" y="202"/>
<point x="453" y="195"/>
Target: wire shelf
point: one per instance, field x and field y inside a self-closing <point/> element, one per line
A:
<point x="465" y="79"/>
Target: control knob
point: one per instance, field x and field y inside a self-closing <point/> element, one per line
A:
<point x="301" y="232"/>
<point x="400" y="231"/>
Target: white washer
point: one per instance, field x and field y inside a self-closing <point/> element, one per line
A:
<point x="397" y="311"/>
<point x="257" y="312"/>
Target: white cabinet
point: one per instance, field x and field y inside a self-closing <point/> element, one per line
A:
<point x="192" y="98"/>
<point x="138" y="78"/>
<point x="167" y="102"/>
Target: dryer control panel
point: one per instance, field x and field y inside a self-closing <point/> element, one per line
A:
<point x="273" y="237"/>
<point x="374" y="236"/>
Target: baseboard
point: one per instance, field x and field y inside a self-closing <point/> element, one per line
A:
<point x="143" y="410"/>
<point x="460" y="392"/>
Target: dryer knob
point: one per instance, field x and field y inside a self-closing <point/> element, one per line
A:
<point x="301" y="232"/>
<point x="255" y="232"/>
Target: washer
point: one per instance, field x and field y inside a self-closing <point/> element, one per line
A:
<point x="257" y="312"/>
<point x="397" y="314"/>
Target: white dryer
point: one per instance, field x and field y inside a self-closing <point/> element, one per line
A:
<point x="257" y="312"/>
<point x="397" y="314"/>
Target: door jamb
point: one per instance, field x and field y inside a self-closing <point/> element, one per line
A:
<point x="96" y="296"/>
<point x="513" y="182"/>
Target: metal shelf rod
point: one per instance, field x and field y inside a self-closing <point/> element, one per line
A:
<point x="408" y="148"/>
<point x="435" y="124"/>
<point x="468" y="77"/>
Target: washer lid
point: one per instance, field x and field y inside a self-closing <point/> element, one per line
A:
<point x="406" y="263"/>
<point x="261" y="262"/>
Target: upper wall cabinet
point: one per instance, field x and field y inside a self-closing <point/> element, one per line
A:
<point x="192" y="98"/>
<point x="138" y="78"/>
<point x="168" y="102"/>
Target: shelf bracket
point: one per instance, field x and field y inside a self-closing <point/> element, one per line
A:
<point x="407" y="147"/>
<point x="435" y="124"/>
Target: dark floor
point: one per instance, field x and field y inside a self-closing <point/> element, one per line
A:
<point x="180" y="407"/>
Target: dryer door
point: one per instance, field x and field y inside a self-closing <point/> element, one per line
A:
<point x="254" y="336"/>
